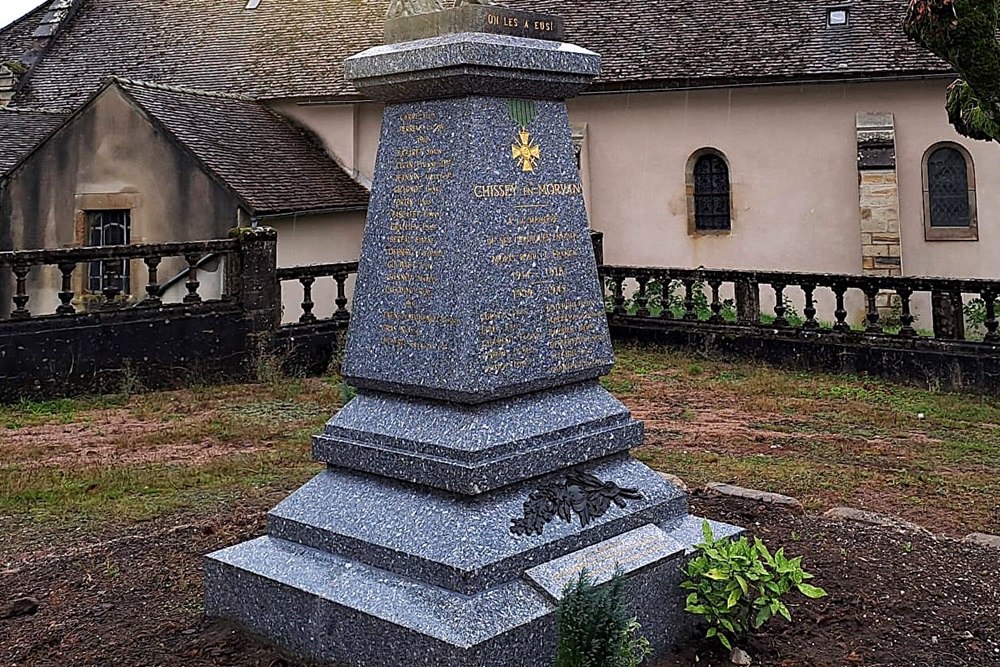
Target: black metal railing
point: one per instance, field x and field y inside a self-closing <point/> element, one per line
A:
<point x="114" y="264"/>
<point x="650" y="294"/>
<point x="307" y="276"/>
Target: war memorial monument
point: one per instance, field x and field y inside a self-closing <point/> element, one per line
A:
<point x="481" y="466"/>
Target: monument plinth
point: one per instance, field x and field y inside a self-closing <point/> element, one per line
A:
<point x="482" y="465"/>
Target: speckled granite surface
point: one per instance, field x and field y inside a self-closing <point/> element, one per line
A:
<point x="481" y="465"/>
<point x="472" y="63"/>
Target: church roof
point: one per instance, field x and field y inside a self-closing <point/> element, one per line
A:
<point x="21" y="131"/>
<point x="17" y="38"/>
<point x="296" y="48"/>
<point x="273" y="165"/>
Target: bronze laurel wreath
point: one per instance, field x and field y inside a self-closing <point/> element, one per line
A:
<point x="579" y="493"/>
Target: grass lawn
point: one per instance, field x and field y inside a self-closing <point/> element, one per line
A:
<point x="97" y="463"/>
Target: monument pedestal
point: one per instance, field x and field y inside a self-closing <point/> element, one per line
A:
<point x="481" y="466"/>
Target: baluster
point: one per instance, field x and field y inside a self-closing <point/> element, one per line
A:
<point x="192" y="283"/>
<point x="809" y="311"/>
<point x="641" y="299"/>
<point x="21" y="297"/>
<point x="905" y="316"/>
<point x="841" y="312"/>
<point x="66" y="294"/>
<point x="618" y="295"/>
<point x="111" y="288"/>
<point x="665" y="296"/>
<point x="153" y="284"/>
<point x="716" y="317"/>
<point x="307" y="302"/>
<point x="779" y="305"/>
<point x="690" y="313"/>
<point x="991" y="317"/>
<point x="342" y="314"/>
<point x="872" y="325"/>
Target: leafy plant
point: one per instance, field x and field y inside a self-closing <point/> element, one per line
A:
<point x="975" y="314"/>
<point x="737" y="586"/>
<point x="964" y="33"/>
<point x="595" y="627"/>
<point x="670" y="296"/>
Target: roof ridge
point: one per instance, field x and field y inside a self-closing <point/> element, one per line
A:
<point x="181" y="89"/>
<point x="60" y="111"/>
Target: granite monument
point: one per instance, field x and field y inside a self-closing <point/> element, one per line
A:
<point x="481" y="465"/>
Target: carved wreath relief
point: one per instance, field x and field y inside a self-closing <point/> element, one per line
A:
<point x="400" y="8"/>
<point x="579" y="493"/>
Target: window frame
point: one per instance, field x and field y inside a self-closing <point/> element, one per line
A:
<point x="125" y="272"/>
<point x="693" y="229"/>
<point x="966" y="233"/>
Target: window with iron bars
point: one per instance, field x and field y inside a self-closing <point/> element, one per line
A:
<point x="107" y="228"/>
<point x="711" y="194"/>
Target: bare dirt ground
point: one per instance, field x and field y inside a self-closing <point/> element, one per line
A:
<point x="107" y="505"/>
<point x="894" y="599"/>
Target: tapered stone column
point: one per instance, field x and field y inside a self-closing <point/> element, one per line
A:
<point x="482" y="465"/>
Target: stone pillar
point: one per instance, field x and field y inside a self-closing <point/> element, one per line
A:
<point x="597" y="238"/>
<point x="878" y="191"/>
<point x="253" y="279"/>
<point x="878" y="195"/>
<point x="481" y="466"/>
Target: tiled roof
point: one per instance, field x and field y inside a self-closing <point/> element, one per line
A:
<point x="21" y="131"/>
<point x="664" y="42"/>
<point x="295" y="48"/>
<point x="273" y="165"/>
<point x="16" y="38"/>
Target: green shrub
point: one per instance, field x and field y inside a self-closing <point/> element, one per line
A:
<point x="737" y="586"/>
<point x="975" y="316"/>
<point x="595" y="628"/>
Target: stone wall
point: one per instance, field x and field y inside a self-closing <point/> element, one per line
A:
<point x="878" y="195"/>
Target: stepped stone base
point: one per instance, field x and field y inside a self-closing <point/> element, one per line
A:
<point x="474" y="449"/>
<point x="337" y="583"/>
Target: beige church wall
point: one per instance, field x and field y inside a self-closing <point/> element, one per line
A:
<point x="317" y="239"/>
<point x="792" y="156"/>
<point x="922" y="126"/>
<point x="349" y="132"/>
<point x="792" y="152"/>
<point x="109" y="157"/>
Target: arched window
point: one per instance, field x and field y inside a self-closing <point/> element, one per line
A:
<point x="949" y="194"/>
<point x="709" y="202"/>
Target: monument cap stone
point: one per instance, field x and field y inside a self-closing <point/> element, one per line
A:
<point x="459" y="64"/>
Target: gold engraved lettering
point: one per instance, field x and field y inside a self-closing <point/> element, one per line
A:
<point x="496" y="191"/>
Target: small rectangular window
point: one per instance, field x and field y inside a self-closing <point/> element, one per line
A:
<point x="837" y="17"/>
<point x="108" y="228"/>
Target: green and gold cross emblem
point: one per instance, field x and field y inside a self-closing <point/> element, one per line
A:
<point x="526" y="153"/>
